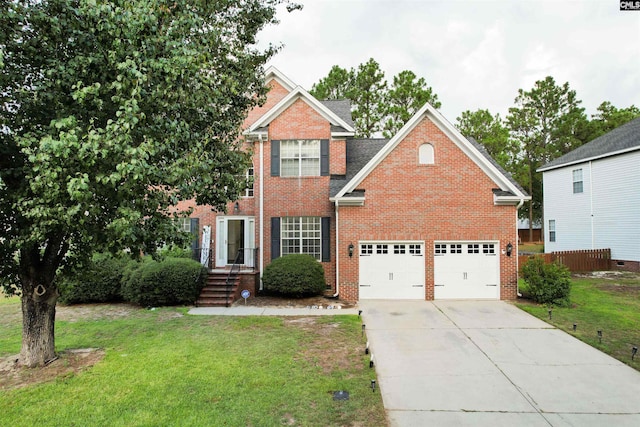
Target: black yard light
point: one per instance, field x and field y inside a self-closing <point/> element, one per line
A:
<point x="575" y="326"/>
<point x="550" y="314"/>
<point x="366" y="348"/>
<point x="363" y="326"/>
<point x="634" y="350"/>
<point x="359" y="313"/>
<point x="373" y="385"/>
<point x="600" y="336"/>
<point x="371" y="361"/>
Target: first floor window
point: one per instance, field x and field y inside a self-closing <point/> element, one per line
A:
<point x="552" y="230"/>
<point x="184" y="224"/>
<point x="302" y="235"/>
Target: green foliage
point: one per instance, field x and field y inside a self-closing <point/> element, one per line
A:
<point x="491" y="132"/>
<point x="175" y="251"/>
<point x="546" y="283"/>
<point x="336" y="85"/>
<point x="608" y="118"/>
<point x="98" y="281"/>
<point x="173" y="281"/>
<point x="294" y="275"/>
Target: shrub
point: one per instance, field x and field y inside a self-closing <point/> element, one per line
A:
<point x="547" y="283"/>
<point x="98" y="281"/>
<point x="294" y="275"/>
<point x="172" y="281"/>
<point x="176" y="252"/>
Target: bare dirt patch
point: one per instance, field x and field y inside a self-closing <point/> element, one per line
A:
<point x="74" y="313"/>
<point x="68" y="363"/>
<point x="619" y="282"/>
<point x="276" y="301"/>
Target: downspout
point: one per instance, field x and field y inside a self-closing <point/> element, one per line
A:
<point x="593" y="237"/>
<point x="337" y="253"/>
<point x="517" y="259"/>
<point x="261" y="198"/>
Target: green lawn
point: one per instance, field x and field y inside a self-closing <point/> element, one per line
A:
<point x="165" y="368"/>
<point x="610" y="304"/>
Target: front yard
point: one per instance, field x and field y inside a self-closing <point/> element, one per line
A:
<point x="164" y="367"/>
<point x="603" y="301"/>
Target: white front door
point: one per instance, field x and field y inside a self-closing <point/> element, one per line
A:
<point x="235" y="240"/>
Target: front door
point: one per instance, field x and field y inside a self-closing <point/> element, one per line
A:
<point x="235" y="238"/>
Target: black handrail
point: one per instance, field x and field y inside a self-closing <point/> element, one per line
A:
<point x="231" y="277"/>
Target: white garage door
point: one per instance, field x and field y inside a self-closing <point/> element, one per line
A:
<point x="464" y="270"/>
<point x="391" y="270"/>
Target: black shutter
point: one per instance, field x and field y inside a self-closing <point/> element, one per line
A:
<point x="325" y="232"/>
<point x="275" y="238"/>
<point x="194" y="224"/>
<point x="275" y="158"/>
<point x="324" y="157"/>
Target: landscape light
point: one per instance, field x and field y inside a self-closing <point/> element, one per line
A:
<point x="634" y="350"/>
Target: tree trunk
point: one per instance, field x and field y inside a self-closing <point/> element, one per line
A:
<point x="38" y="324"/>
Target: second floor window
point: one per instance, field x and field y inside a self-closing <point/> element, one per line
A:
<point x="248" y="192"/>
<point x="300" y="157"/>
<point x="577" y="181"/>
<point x="552" y="230"/>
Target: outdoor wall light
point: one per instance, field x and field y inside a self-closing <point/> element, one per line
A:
<point x="509" y="249"/>
<point x="351" y="248"/>
<point x="236" y="208"/>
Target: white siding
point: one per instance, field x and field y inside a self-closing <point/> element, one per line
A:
<point x="605" y="215"/>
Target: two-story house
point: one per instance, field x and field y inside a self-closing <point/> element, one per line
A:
<point x="426" y="214"/>
<point x="592" y="197"/>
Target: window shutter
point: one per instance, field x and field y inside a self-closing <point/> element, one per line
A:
<point x="275" y="158"/>
<point x="275" y="238"/>
<point x="326" y="239"/>
<point x="324" y="157"/>
<point x="194" y="225"/>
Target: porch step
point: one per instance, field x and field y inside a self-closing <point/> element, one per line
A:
<point x="215" y="292"/>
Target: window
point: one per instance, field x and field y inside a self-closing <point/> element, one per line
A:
<point x="552" y="230"/>
<point x="425" y="154"/>
<point x="248" y="192"/>
<point x="488" y="248"/>
<point x="415" y="249"/>
<point x="456" y="248"/>
<point x="473" y="248"/>
<point x="366" y="249"/>
<point x="300" y="157"/>
<point x="301" y="235"/>
<point x="382" y="249"/>
<point x="577" y="181"/>
<point x="399" y="249"/>
<point x="441" y="249"/>
<point x="184" y="224"/>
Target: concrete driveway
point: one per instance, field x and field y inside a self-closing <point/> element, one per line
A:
<point x="487" y="363"/>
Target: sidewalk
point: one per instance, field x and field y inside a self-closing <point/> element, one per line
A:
<point x="239" y="310"/>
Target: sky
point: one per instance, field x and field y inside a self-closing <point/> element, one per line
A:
<point x="475" y="54"/>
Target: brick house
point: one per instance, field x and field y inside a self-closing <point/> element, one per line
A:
<point x="426" y="214"/>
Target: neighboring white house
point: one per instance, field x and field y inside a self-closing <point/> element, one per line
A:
<point x="592" y="197"/>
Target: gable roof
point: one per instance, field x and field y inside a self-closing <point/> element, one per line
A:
<point x="337" y="113"/>
<point x="272" y="73"/>
<point x="359" y="153"/>
<point x="620" y="140"/>
<point x="509" y="192"/>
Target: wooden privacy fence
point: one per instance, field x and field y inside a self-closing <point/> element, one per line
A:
<point x="576" y="261"/>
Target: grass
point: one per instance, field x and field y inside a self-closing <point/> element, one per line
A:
<point x="164" y="367"/>
<point x="610" y="304"/>
<point x="537" y="248"/>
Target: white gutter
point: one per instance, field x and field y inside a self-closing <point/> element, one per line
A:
<point x="261" y="250"/>
<point x="517" y="259"/>
<point x="337" y="254"/>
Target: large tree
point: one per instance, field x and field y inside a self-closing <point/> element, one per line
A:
<point x="111" y="112"/>
<point x="336" y="85"/>
<point x="367" y="94"/>
<point x="491" y="132"/>
<point x="406" y="95"/>
<point x="546" y="122"/>
<point x="608" y="118"/>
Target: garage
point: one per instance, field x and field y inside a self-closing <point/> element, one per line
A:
<point x="466" y="270"/>
<point x="391" y="270"/>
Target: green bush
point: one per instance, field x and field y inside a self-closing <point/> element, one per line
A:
<point x="98" y="281"/>
<point x="294" y="275"/>
<point x="176" y="252"/>
<point x="547" y="283"/>
<point x="172" y="281"/>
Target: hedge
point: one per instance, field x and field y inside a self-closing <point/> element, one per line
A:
<point x="294" y="275"/>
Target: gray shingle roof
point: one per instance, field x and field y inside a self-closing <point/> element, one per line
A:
<point x="625" y="137"/>
<point x="484" y="152"/>
<point x="341" y="108"/>
<point x="359" y="152"/>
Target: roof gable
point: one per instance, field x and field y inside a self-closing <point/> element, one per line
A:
<point x="300" y="94"/>
<point x="272" y="73"/>
<point x="620" y="140"/>
<point x="494" y="172"/>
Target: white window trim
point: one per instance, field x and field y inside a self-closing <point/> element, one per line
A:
<point x="300" y="237"/>
<point x="577" y="173"/>
<point x="299" y="157"/>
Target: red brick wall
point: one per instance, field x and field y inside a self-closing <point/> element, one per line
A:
<point x="449" y="200"/>
<point x="338" y="157"/>
<point x="300" y="196"/>
<point x="275" y="95"/>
